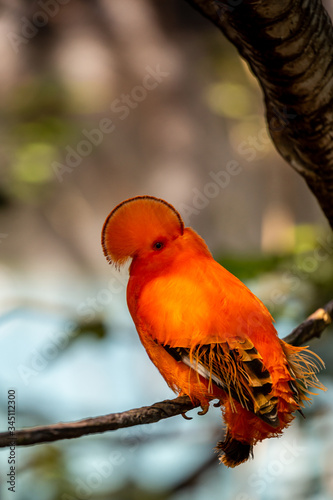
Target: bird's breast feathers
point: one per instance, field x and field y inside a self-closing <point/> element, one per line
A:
<point x="175" y="308"/>
<point x="194" y="304"/>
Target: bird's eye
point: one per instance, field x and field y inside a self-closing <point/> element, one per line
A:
<point x="158" y="245"/>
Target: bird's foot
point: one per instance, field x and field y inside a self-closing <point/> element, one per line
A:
<point x="185" y="416"/>
<point x="204" y="410"/>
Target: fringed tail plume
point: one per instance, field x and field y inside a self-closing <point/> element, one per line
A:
<point x="303" y="366"/>
<point x="234" y="452"/>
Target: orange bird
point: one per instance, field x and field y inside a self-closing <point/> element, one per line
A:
<point x="206" y="332"/>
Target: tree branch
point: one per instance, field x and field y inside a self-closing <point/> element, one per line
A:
<point x="310" y="328"/>
<point x="96" y="425"/>
<point x="288" y="45"/>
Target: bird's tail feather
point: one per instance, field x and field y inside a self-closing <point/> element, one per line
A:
<point x="303" y="366"/>
<point x="233" y="452"/>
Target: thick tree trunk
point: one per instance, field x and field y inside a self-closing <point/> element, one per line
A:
<point x="289" y="47"/>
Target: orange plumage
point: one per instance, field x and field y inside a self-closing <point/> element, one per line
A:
<point x="206" y="332"/>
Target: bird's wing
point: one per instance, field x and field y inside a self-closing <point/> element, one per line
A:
<point x="195" y="314"/>
<point x="236" y="367"/>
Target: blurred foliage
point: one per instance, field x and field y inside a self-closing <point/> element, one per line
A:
<point x="38" y="129"/>
<point x="304" y="276"/>
<point x="96" y="329"/>
<point x="250" y="267"/>
<point x="39" y="98"/>
<point x="132" y="491"/>
<point x="47" y="459"/>
<point x="230" y="99"/>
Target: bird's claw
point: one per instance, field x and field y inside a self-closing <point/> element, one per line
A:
<point x="185" y="416"/>
<point x="204" y="410"/>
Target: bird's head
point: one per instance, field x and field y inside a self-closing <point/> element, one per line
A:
<point x="140" y="227"/>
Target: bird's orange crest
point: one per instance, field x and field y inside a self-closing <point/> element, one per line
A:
<point x="136" y="224"/>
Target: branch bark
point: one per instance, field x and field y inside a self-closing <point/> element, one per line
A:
<point x="288" y="45"/>
<point x="96" y="425"/>
<point x="310" y="328"/>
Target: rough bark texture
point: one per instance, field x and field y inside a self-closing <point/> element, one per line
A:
<point x="289" y="46"/>
<point x="96" y="425"/>
<point x="312" y="327"/>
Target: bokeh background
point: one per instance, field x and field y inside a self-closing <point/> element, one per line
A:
<point x="101" y="101"/>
